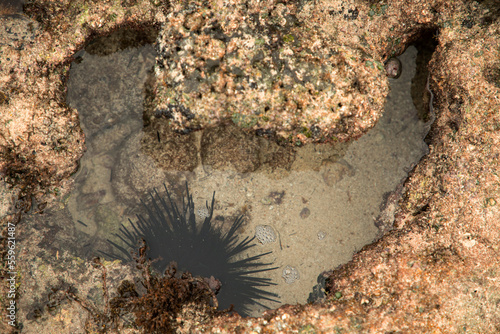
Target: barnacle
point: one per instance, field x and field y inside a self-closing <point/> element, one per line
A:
<point x="393" y="68"/>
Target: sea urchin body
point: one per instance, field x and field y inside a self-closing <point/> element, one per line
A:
<point x="172" y="234"/>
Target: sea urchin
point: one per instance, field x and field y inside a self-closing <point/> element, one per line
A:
<point x="172" y="234"/>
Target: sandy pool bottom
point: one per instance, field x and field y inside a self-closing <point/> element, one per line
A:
<point x="322" y="210"/>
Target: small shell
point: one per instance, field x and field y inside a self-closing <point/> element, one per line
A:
<point x="290" y="274"/>
<point x="393" y="68"/>
<point x="265" y="234"/>
<point x="203" y="213"/>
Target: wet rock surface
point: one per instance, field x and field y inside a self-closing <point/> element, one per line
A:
<point x="274" y="66"/>
<point x="228" y="146"/>
<point x="170" y="150"/>
<point x="442" y="250"/>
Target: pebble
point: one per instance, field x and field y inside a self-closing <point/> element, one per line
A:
<point x="334" y="171"/>
<point x="305" y="213"/>
<point x="393" y="68"/>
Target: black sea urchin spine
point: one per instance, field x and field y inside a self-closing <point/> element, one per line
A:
<point x="172" y="234"/>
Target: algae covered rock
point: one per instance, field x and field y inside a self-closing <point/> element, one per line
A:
<point x="273" y="66"/>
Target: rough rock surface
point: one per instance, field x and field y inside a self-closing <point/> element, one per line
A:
<point x="283" y="67"/>
<point x="436" y="271"/>
<point x="227" y="146"/>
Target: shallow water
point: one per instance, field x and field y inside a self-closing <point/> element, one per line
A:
<point x="322" y="210"/>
